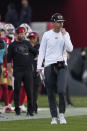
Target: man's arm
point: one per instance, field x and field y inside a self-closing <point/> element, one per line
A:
<point x="33" y="50"/>
<point x="67" y="40"/>
<point x="42" y="52"/>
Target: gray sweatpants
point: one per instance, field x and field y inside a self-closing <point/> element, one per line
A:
<point x="56" y="80"/>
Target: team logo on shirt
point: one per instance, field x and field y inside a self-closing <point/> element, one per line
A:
<point x="22" y="49"/>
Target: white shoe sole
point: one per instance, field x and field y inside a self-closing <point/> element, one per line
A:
<point x="53" y="123"/>
<point x="63" y="123"/>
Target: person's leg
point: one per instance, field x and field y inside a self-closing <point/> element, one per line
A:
<point x="22" y="98"/>
<point x="49" y="82"/>
<point x="28" y="85"/>
<point x="5" y="94"/>
<point x="36" y="84"/>
<point x="22" y="95"/>
<point x="61" y="88"/>
<point x="11" y="94"/>
<point x="1" y="92"/>
<point x="68" y="100"/>
<point x="68" y="96"/>
<point x="61" y="103"/>
<point x="6" y="98"/>
<point x="17" y="85"/>
<point x="11" y="97"/>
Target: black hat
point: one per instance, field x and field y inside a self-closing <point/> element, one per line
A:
<point x="57" y="17"/>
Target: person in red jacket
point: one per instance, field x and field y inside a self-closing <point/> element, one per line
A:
<point x="4" y="76"/>
<point x="9" y="38"/>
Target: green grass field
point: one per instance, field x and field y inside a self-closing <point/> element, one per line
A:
<point x="74" y="123"/>
<point x="78" y="101"/>
<point x="78" y="123"/>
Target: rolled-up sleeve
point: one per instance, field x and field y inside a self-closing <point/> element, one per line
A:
<point x="68" y="43"/>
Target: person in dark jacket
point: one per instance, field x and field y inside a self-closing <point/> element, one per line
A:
<point x="20" y="52"/>
<point x="34" y="40"/>
<point x="79" y="67"/>
<point x="26" y="13"/>
<point x="11" y="15"/>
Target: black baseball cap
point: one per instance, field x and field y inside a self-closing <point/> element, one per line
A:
<point x="57" y="17"/>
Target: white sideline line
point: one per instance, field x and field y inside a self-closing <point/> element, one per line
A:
<point x="44" y="113"/>
<point x="43" y="109"/>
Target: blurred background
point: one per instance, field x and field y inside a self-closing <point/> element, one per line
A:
<point x="37" y="15"/>
<point x="74" y="12"/>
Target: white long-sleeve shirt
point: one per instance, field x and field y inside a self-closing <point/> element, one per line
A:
<point x="53" y="48"/>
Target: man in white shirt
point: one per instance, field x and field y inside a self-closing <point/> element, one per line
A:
<point x="54" y="47"/>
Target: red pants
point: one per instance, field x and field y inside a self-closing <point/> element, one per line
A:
<point x="8" y="95"/>
<point x="4" y="93"/>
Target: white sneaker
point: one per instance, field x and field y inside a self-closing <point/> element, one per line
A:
<point x="23" y="108"/>
<point x="62" y="119"/>
<point x="54" y="120"/>
<point x="12" y="108"/>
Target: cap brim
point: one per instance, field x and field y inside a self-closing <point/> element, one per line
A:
<point x="60" y="20"/>
<point x="32" y="36"/>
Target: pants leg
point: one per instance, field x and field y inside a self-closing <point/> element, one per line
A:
<point x="11" y="94"/>
<point x="22" y="96"/>
<point x="5" y="94"/>
<point x="36" y="84"/>
<point x="49" y="82"/>
<point x="61" y="87"/>
<point x="61" y="103"/>
<point x="68" y="100"/>
<point x="1" y="92"/>
<point x="68" y="95"/>
<point x="28" y="85"/>
<point x="17" y="85"/>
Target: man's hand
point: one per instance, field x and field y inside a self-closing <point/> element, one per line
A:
<point x="63" y="31"/>
<point x="38" y="71"/>
<point x="36" y="58"/>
